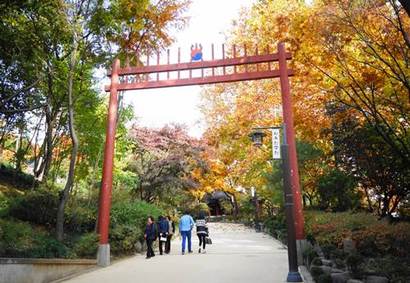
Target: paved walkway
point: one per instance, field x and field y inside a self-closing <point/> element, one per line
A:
<point x="237" y="255"/>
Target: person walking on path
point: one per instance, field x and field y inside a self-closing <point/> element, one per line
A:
<point x="150" y="235"/>
<point x="171" y="231"/>
<point x="186" y="223"/>
<point x="201" y="231"/>
<point x="163" y="228"/>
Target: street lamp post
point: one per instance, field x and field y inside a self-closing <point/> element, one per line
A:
<point x="258" y="226"/>
<point x="257" y="138"/>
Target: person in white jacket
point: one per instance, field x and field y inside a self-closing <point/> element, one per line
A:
<point x="201" y="231"/>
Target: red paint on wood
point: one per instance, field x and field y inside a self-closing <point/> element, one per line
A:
<point x="106" y="183"/>
<point x="290" y="135"/>
<point x="201" y="81"/>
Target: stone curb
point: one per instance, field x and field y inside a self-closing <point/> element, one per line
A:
<point x="48" y="261"/>
<point x="304" y="272"/>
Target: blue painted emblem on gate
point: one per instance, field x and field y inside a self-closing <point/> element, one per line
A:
<point x="196" y="52"/>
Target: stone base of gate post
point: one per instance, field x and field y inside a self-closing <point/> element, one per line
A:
<point x="103" y="255"/>
<point x="301" y="246"/>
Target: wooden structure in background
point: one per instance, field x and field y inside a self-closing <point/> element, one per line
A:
<point x="225" y="70"/>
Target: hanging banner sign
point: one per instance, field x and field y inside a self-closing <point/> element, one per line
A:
<point x="276" y="143"/>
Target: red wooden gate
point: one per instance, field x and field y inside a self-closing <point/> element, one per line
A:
<point x="236" y="68"/>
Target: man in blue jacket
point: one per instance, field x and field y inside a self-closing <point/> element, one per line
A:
<point x="186" y="223"/>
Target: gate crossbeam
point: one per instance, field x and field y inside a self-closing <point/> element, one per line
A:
<point x="143" y="77"/>
<point x="199" y="81"/>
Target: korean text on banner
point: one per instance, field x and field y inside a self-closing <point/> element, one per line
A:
<point x="276" y="143"/>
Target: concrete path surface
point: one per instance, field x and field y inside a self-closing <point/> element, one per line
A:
<point x="237" y="255"/>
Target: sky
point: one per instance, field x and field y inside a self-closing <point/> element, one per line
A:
<point x="209" y="21"/>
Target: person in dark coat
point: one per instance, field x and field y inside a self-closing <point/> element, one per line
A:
<point x="150" y="235"/>
<point x="163" y="228"/>
<point x="171" y="231"/>
<point x="201" y="231"/>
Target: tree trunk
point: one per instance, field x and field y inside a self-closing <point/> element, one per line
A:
<point x="19" y="150"/>
<point x="394" y="205"/>
<point x="47" y="147"/>
<point x="48" y="154"/>
<point x="236" y="207"/>
<point x="369" y="201"/>
<point x="64" y="194"/>
<point x="406" y="6"/>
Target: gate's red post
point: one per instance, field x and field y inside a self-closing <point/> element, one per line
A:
<point x="103" y="256"/>
<point x="290" y="135"/>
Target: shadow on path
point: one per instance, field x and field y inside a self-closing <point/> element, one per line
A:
<point x="237" y="255"/>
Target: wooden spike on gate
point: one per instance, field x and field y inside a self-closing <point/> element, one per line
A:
<point x="127" y="61"/>
<point x="179" y="61"/>
<point x="213" y="58"/>
<point x="158" y="59"/>
<point x="223" y="57"/>
<point x="234" y="56"/>
<point x="257" y="53"/>
<point x="245" y="53"/>
<point x="168" y="62"/>
<point x="202" y="59"/>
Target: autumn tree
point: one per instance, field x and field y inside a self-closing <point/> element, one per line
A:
<point x="49" y="53"/>
<point x="366" y="49"/>
<point x="163" y="161"/>
<point x="350" y="53"/>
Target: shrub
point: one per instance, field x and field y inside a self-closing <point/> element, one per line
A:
<point x="317" y="261"/>
<point x="336" y="191"/>
<point x="339" y="263"/>
<point x="354" y="262"/>
<point x="277" y="227"/>
<point x="39" y="207"/>
<point x="86" y="246"/>
<point x="309" y="254"/>
<point x="19" y="239"/>
<point x="201" y="207"/>
<point x="328" y="249"/>
<point x="383" y="239"/>
<point x="80" y="219"/>
<point x="247" y="209"/>
<point x="337" y="254"/>
<point x="332" y="228"/>
<point x="17" y="179"/>
<point x="4" y="205"/>
<point x="123" y="239"/>
<point x="46" y="246"/>
<point x="133" y="213"/>
<point x="128" y="220"/>
<point x="316" y="271"/>
<point x="389" y="267"/>
<point x="371" y="236"/>
<point x="324" y="278"/>
<point x="384" y="242"/>
<point x="15" y="238"/>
